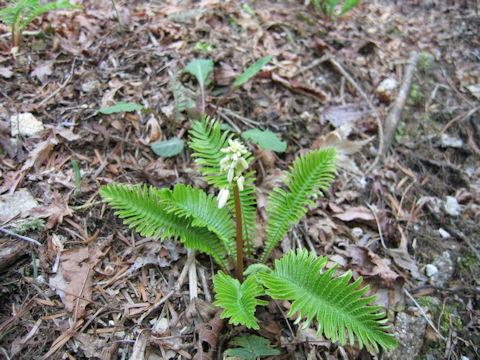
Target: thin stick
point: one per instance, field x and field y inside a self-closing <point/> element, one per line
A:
<point x="378" y="225"/>
<point x="239" y="239"/>
<point x="424" y="315"/>
<point x="393" y="118"/>
<point x="181" y="278"/>
<point x="21" y="237"/>
<point x="67" y="80"/>
<point x="370" y="105"/>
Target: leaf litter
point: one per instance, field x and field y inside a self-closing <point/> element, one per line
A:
<point x="87" y="65"/>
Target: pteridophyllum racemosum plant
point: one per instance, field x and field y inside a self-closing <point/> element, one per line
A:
<point x="223" y="226"/>
<point x="19" y="13"/>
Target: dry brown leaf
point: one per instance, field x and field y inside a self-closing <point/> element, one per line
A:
<point x="43" y="70"/>
<point x="54" y="212"/>
<point x="39" y="154"/>
<point x="402" y="258"/>
<point x="356" y="213"/>
<point x="155" y="131"/>
<point x="74" y="278"/>
<point x="11" y="180"/>
<point x="368" y="264"/>
<point x="344" y="147"/>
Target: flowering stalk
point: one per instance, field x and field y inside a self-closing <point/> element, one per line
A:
<point x="233" y="165"/>
<point x="239" y="237"/>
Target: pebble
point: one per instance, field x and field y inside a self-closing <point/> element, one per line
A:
<point x="25" y="124"/>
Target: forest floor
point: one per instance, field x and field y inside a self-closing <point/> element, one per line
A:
<point x="406" y="222"/>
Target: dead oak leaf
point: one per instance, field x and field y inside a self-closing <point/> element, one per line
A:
<point x="74" y="279"/>
<point x="356" y="213"/>
<point x="43" y="70"/>
<point x="54" y="211"/>
<point x="368" y="264"/>
<point x="39" y="154"/>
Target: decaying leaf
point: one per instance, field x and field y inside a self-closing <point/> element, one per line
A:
<point x="356" y="213"/>
<point x="54" y="211"/>
<point x="39" y="154"/>
<point x="345" y="147"/>
<point x="369" y="265"/>
<point x="42" y="70"/>
<point x="73" y="281"/>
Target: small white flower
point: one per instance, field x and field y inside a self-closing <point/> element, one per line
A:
<point x="244" y="163"/>
<point x="240" y="182"/>
<point x="230" y="174"/>
<point x="222" y="198"/>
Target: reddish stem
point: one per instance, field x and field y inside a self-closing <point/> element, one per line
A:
<point x="239" y="239"/>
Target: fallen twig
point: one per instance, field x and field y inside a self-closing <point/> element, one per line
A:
<point x="65" y="83"/>
<point x="424" y="315"/>
<point x="393" y="118"/>
<point x="33" y="241"/>
<point x="370" y="105"/>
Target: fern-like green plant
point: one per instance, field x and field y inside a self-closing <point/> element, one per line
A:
<point x="19" y="13"/>
<point x="223" y="227"/>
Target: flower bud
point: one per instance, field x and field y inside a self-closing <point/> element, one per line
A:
<point x="222" y="198"/>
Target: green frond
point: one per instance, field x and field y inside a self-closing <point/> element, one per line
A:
<point x="206" y="138"/>
<point x="308" y="175"/>
<point x="238" y="300"/>
<point x="339" y="308"/>
<point x="203" y="211"/>
<point x="145" y="209"/>
<point x="178" y="95"/>
<point x="251" y="347"/>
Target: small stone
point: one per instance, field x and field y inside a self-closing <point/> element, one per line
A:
<point x="160" y="326"/>
<point x="91" y="86"/>
<point x="443" y="233"/>
<point x="386" y="89"/>
<point x="25" y="124"/>
<point x="409" y="331"/>
<point x="446" y="268"/>
<point x="451" y="206"/>
<point x="357" y="232"/>
<point x="431" y="270"/>
<point x="448" y="141"/>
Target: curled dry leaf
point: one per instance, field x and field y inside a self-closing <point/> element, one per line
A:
<point x="356" y="213"/>
<point x="155" y="131"/>
<point x="368" y="264"/>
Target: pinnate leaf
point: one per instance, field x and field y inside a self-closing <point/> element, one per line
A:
<point x="238" y="300"/>
<point x="252" y="347"/>
<point x="348" y="5"/>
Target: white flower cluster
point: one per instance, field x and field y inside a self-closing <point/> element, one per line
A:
<point x="233" y="164"/>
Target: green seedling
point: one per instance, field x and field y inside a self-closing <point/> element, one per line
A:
<point x="204" y="47"/>
<point x="201" y="69"/>
<point x="19" y="13"/>
<point x="223" y="227"/>
<point x="78" y="175"/>
<point x="117" y="15"/>
<point x="328" y="6"/>
<point x="251" y="348"/>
